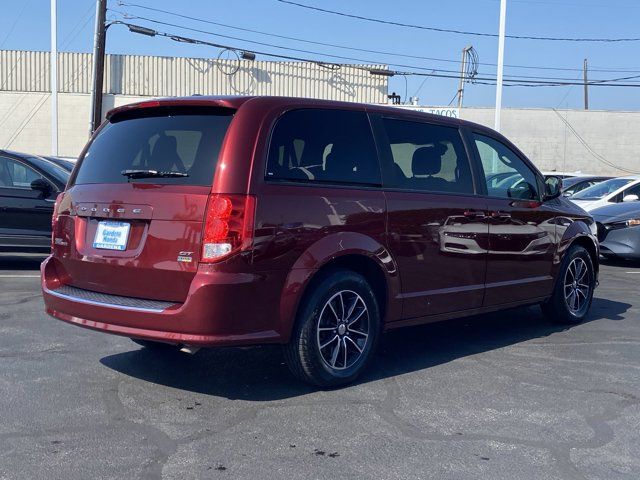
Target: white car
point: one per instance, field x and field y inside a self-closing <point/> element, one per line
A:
<point x="615" y="190"/>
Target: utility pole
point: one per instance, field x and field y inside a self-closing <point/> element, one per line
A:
<point x="98" y="65"/>
<point x="586" y="86"/>
<point x="53" y="66"/>
<point x="503" y="21"/>
<point x="463" y="67"/>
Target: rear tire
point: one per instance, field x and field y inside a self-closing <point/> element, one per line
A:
<point x="336" y="330"/>
<point x="573" y="292"/>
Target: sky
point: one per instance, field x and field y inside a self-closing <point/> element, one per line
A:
<point x="24" y="25"/>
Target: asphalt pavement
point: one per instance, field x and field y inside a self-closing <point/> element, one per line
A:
<point x="501" y="396"/>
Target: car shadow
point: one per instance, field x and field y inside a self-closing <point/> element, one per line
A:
<point x="260" y="374"/>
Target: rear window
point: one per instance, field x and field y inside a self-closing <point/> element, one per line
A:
<point x="181" y="140"/>
<point x="323" y="146"/>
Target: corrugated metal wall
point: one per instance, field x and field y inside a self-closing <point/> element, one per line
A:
<point x="26" y="71"/>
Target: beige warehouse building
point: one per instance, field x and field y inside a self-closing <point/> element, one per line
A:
<point x="601" y="142"/>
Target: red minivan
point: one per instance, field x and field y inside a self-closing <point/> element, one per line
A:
<point x="216" y="221"/>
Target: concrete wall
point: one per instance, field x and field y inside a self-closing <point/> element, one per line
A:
<point x="610" y="137"/>
<point x="25" y="121"/>
<point x="599" y="142"/>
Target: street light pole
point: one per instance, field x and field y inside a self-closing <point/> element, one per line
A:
<point x="503" y="20"/>
<point x="53" y="67"/>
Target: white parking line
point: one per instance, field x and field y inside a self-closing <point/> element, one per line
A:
<point x="19" y="276"/>
<point x="633" y="272"/>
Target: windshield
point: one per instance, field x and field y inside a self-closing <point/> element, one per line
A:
<point x="183" y="141"/>
<point x="602" y="189"/>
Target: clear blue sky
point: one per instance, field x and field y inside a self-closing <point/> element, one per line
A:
<point x="24" y="24"/>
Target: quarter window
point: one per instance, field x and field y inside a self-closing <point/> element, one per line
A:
<point x="426" y="157"/>
<point x="323" y="146"/>
<point x="507" y="176"/>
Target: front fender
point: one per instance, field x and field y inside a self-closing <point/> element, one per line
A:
<point x="324" y="252"/>
<point x="571" y="231"/>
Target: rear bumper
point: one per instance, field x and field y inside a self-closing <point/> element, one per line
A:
<point x="215" y="312"/>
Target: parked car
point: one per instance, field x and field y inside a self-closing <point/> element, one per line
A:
<point x="64" y="162"/>
<point x="28" y="189"/>
<point x="619" y="230"/>
<point x="615" y="190"/>
<point x="208" y="221"/>
<point x="573" y="185"/>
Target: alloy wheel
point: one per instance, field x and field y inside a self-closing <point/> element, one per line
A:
<point x="576" y="286"/>
<point x="343" y="330"/>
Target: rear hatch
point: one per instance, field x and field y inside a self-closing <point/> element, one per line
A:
<point x="133" y="214"/>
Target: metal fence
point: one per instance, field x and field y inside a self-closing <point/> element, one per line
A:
<point x="27" y="71"/>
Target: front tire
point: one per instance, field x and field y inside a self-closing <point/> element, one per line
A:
<point x="573" y="292"/>
<point x="336" y="331"/>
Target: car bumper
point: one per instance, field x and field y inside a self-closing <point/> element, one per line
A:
<point x="210" y="315"/>
<point x="623" y="242"/>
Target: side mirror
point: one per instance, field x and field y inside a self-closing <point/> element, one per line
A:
<point x="42" y="186"/>
<point x="630" y="198"/>
<point x="552" y="188"/>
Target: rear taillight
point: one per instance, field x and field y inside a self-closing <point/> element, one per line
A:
<point x="228" y="226"/>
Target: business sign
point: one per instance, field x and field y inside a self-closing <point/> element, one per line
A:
<point x="444" y="111"/>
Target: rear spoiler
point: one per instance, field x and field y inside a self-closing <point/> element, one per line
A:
<point x="227" y="103"/>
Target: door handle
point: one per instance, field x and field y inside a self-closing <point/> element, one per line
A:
<point x="500" y="215"/>
<point x="477" y="214"/>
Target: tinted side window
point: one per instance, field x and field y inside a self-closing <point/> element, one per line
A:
<point x="332" y="146"/>
<point x="15" y="174"/>
<point x="426" y="157"/>
<point x="507" y="176"/>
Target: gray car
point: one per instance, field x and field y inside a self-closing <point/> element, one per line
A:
<point x="619" y="229"/>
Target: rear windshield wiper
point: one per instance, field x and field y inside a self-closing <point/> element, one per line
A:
<point x="151" y="174"/>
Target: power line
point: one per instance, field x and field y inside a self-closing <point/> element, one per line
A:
<point x="475" y="62"/>
<point x="371" y="69"/>
<point x="284" y="37"/>
<point x="365" y="50"/>
<point x="71" y="36"/>
<point x="459" y="32"/>
<point x="15" y="22"/>
<point x="264" y="44"/>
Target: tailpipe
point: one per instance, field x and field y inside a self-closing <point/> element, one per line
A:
<point x="190" y="350"/>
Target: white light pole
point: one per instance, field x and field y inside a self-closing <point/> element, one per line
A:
<point x="503" y="21"/>
<point x="54" y="79"/>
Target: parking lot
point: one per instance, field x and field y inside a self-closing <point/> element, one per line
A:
<point x="500" y="396"/>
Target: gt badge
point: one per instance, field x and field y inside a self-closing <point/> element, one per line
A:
<point x="185" y="257"/>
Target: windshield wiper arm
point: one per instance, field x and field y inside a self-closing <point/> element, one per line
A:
<point x="151" y="174"/>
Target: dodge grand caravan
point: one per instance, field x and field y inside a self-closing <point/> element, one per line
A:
<point x="217" y="221"/>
